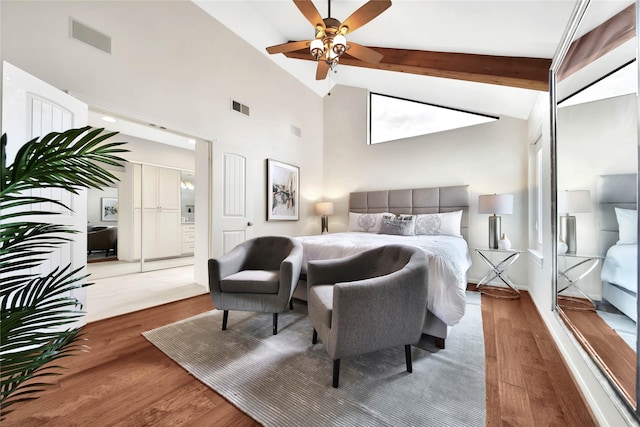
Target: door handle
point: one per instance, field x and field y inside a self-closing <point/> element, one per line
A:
<point x="249" y="224"/>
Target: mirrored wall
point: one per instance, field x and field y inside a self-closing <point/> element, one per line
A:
<point x="595" y="165"/>
<point x="147" y="223"/>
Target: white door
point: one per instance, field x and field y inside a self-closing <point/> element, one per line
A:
<point x="236" y="174"/>
<point x="32" y="108"/>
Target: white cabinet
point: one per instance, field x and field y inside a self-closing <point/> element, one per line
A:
<point x="151" y="217"/>
<point x="188" y="238"/>
<point x="162" y="233"/>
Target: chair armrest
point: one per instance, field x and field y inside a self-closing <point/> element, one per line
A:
<point x="226" y="265"/>
<point x="347" y="269"/>
<point x="290" y="270"/>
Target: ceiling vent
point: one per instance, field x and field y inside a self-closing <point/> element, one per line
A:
<point x="87" y="35"/>
<point x="240" y="108"/>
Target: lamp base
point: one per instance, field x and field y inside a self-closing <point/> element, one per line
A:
<point x="494" y="231"/>
<point x="567" y="232"/>
<point x="325" y="224"/>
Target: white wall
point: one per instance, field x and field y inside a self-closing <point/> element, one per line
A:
<point x="175" y="66"/>
<point x="490" y="158"/>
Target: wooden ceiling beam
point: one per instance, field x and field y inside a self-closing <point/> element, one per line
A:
<point x="599" y="41"/>
<point x="527" y="73"/>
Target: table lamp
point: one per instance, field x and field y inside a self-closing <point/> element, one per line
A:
<point x="495" y="204"/>
<point x="576" y="201"/>
<point x="325" y="209"/>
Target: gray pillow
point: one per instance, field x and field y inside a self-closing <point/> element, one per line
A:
<point x="399" y="226"/>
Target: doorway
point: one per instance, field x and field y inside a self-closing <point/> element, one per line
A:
<point x="154" y="225"/>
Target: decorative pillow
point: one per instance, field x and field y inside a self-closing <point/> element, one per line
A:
<point x="368" y="223"/>
<point x="401" y="226"/>
<point x="627" y="226"/>
<point x="444" y="223"/>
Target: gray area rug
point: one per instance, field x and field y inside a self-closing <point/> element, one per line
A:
<point x="284" y="380"/>
<point x="623" y="325"/>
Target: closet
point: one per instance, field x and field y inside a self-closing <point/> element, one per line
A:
<point x="151" y="215"/>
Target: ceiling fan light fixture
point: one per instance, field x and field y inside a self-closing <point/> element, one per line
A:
<point x="317" y="49"/>
<point x="339" y="45"/>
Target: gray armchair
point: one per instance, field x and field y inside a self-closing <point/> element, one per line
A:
<point x="257" y="275"/>
<point x="369" y="301"/>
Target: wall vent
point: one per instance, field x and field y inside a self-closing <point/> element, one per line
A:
<point x="87" y="35"/>
<point x="240" y="108"/>
<point x="295" y="130"/>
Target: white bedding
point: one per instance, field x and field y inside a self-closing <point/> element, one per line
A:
<point x="449" y="260"/>
<point x="620" y="266"/>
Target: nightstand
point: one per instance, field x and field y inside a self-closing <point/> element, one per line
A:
<point x="572" y="270"/>
<point x="498" y="269"/>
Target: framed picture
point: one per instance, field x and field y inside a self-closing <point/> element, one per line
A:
<point x="109" y="209"/>
<point x="283" y="184"/>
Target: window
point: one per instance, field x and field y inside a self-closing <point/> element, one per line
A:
<point x="392" y="118"/>
<point x="535" y="195"/>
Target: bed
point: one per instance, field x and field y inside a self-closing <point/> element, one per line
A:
<point x="617" y="211"/>
<point x="438" y="209"/>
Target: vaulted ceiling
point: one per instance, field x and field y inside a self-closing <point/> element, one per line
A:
<point x="486" y="56"/>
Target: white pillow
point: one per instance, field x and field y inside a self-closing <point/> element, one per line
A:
<point x="444" y="223"/>
<point x="627" y="226"/>
<point x="367" y="223"/>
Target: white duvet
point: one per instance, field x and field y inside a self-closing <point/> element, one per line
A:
<point x="449" y="260"/>
<point x="620" y="266"/>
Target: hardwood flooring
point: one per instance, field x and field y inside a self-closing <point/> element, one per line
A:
<point x="124" y="380"/>
<point x="598" y="338"/>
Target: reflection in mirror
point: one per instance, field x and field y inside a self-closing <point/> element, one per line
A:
<point x="596" y="152"/>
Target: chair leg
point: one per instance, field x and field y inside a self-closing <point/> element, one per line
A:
<point x="291" y="304"/>
<point x="225" y="316"/>
<point x="407" y="353"/>
<point x="336" y="373"/>
<point x="314" y="339"/>
<point x="275" y="323"/>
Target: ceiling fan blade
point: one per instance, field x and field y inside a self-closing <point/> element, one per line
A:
<point x="364" y="53"/>
<point x="322" y="70"/>
<point x="366" y="13"/>
<point x="288" y="47"/>
<point x="310" y="12"/>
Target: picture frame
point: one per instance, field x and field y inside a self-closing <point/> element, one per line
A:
<point x="283" y="188"/>
<point x="108" y="209"/>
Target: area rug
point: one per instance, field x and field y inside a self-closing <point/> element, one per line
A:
<point x="284" y="380"/>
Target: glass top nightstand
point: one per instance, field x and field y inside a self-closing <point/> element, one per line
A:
<point x="574" y="268"/>
<point x="497" y="270"/>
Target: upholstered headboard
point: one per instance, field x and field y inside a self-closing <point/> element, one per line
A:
<point x="614" y="191"/>
<point x="415" y="201"/>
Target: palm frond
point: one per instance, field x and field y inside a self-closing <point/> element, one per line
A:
<point x="38" y="312"/>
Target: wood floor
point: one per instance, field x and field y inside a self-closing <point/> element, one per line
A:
<point x="124" y="380"/>
<point x="597" y="337"/>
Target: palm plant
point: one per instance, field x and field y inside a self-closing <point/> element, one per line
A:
<point x="38" y="312"/>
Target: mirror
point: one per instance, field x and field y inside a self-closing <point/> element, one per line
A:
<point x="151" y="212"/>
<point x="594" y="148"/>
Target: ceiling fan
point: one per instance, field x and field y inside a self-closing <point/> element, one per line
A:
<point x="330" y="42"/>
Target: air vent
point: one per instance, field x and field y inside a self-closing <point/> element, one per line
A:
<point x="240" y="108"/>
<point x="295" y="130"/>
<point x="90" y="36"/>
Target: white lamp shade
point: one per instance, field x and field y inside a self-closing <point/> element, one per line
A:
<point x="495" y="204"/>
<point x="576" y="201"/>
<point x="324" y="208"/>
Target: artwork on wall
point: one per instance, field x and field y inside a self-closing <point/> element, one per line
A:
<point x="283" y="181"/>
<point x="109" y="209"/>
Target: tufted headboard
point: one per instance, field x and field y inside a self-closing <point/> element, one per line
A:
<point x="415" y="201"/>
<point x="614" y="191"/>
